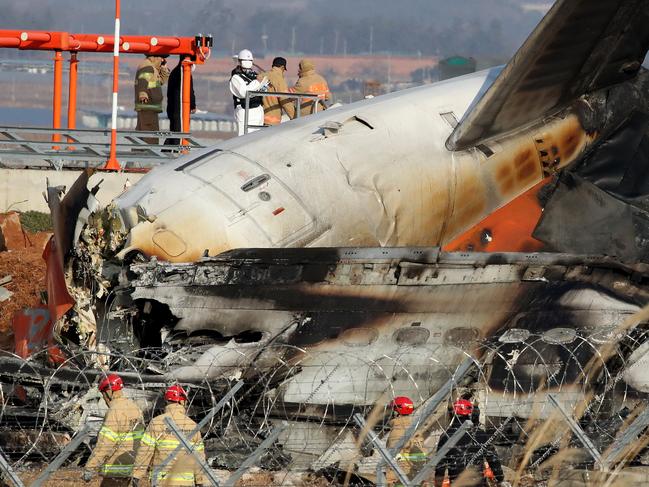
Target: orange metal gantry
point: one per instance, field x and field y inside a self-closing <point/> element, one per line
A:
<point x="197" y="48"/>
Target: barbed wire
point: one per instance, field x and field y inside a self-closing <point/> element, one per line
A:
<point x="316" y="393"/>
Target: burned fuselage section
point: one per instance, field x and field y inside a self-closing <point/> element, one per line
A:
<point x="336" y="329"/>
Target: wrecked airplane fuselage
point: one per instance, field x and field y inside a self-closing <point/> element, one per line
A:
<point x="303" y="316"/>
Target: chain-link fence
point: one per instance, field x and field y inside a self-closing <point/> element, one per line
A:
<point x="546" y="408"/>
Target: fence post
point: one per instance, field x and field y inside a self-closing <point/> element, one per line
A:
<point x="62" y="457"/>
<point x="423" y="413"/>
<point x="250" y="461"/>
<point x="630" y="434"/>
<point x="198" y="427"/>
<point x="581" y="434"/>
<point x="187" y="444"/>
<point x="432" y="463"/>
<point x="383" y="450"/>
<point x="10" y="473"/>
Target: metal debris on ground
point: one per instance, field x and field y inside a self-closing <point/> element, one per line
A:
<point x="5" y="294"/>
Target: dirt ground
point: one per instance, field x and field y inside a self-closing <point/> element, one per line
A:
<point x="24" y="263"/>
<point x="71" y="477"/>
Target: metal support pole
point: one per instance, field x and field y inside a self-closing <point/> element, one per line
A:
<point x="72" y="92"/>
<point x="245" y="115"/>
<point x="72" y="95"/>
<point x="61" y="457"/>
<point x="429" y="407"/>
<point x="186" y="96"/>
<point x="383" y="450"/>
<point x="56" y="98"/>
<point x="252" y="459"/>
<point x="578" y="431"/>
<point x="439" y="455"/>
<point x="187" y="444"/>
<point x="10" y="473"/>
<point x="199" y="426"/>
<point x="630" y="434"/>
<point x="112" y="164"/>
<point x="380" y="474"/>
<point x="298" y="107"/>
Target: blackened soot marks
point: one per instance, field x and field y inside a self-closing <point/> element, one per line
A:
<point x="330" y="314"/>
<point x="322" y="326"/>
<point x="536" y="363"/>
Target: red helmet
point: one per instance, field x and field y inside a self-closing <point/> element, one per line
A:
<point x="463" y="407"/>
<point x="175" y="394"/>
<point x="113" y="382"/>
<point x="402" y="405"/>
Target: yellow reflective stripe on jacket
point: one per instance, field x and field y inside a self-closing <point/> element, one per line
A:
<point x="175" y="477"/>
<point x="115" y="437"/>
<point x="417" y="457"/>
<point x="168" y="444"/>
<point x="117" y="470"/>
<point x="150" y="78"/>
<point x="149" y="440"/>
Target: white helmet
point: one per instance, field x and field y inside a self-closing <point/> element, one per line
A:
<point x="245" y="55"/>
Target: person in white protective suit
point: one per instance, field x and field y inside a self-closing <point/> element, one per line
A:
<point x="244" y="79"/>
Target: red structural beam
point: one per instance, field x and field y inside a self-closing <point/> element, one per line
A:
<point x="64" y="41"/>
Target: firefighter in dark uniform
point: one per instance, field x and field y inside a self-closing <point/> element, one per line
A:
<point x="175" y="97"/>
<point x="473" y="459"/>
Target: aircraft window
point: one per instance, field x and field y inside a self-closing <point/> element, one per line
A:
<point x="461" y="336"/>
<point x="411" y="336"/>
<point x="514" y="335"/>
<point x="198" y="159"/>
<point x="559" y="336"/>
<point x="449" y="118"/>
<point x="248" y="336"/>
<point x="359" y="337"/>
<point x="255" y="182"/>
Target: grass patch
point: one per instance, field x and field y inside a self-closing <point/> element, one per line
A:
<point x="36" y="221"/>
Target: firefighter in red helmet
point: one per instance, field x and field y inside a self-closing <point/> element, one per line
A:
<point x="473" y="461"/>
<point x="158" y="441"/>
<point x="118" y="438"/>
<point x="412" y="456"/>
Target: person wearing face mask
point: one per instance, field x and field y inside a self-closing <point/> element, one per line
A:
<point x="149" y="78"/>
<point x="175" y="97"/>
<point x="243" y="80"/>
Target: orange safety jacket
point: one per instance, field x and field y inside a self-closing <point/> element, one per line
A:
<point x="312" y="83"/>
<point x="273" y="105"/>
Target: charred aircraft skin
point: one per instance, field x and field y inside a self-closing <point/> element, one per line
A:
<point x="316" y="308"/>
